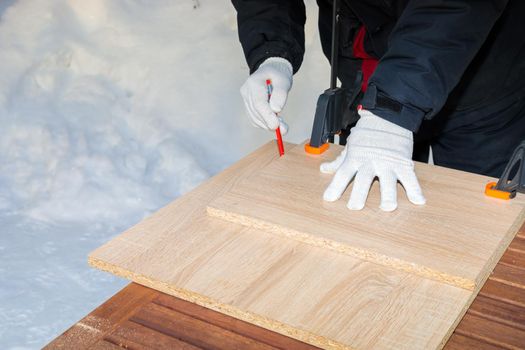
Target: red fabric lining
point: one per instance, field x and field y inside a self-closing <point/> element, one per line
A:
<point x="369" y="63"/>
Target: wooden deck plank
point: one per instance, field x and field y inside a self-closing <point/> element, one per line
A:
<point x="131" y="335"/>
<point x="231" y="324"/>
<point x="492" y="332"/>
<point x="461" y="342"/>
<point x="504" y="292"/>
<point x="518" y="243"/>
<point x="499" y="311"/>
<point x="513" y="257"/>
<point x="103" y="345"/>
<point x="513" y="275"/>
<point x="193" y="331"/>
<point x="104" y="319"/>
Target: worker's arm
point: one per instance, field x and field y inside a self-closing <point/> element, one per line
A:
<point x="272" y="37"/>
<point x="271" y="28"/>
<point x="429" y="49"/>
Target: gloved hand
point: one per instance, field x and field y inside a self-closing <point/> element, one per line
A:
<point x="254" y="92"/>
<point x="375" y="147"/>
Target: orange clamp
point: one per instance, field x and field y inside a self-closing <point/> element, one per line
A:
<point x="492" y="192"/>
<point x="315" y="150"/>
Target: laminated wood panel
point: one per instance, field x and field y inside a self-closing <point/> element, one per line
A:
<point x="307" y="292"/>
<point x="456" y="238"/>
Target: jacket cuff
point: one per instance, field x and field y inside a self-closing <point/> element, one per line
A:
<point x="259" y="55"/>
<point x="383" y="106"/>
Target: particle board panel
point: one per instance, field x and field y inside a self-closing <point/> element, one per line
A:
<point x="312" y="294"/>
<point x="309" y="293"/>
<point x="456" y="238"/>
<point x="116" y="314"/>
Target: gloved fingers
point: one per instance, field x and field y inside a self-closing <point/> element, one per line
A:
<point x="264" y="112"/>
<point x="388" y="188"/>
<point x="260" y="109"/>
<point x="339" y="183"/>
<point x="409" y="181"/>
<point x="258" y="124"/>
<point x="283" y="126"/>
<point x="254" y="116"/>
<point x="255" y="96"/>
<point x="363" y="181"/>
<point x="247" y="99"/>
<point x="278" y="99"/>
<point x="331" y="167"/>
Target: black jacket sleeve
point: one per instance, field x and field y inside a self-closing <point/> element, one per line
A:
<point x="271" y="28"/>
<point x="429" y="49"/>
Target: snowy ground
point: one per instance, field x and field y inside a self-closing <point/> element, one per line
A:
<point x="109" y="110"/>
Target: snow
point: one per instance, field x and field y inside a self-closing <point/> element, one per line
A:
<point x="108" y="111"/>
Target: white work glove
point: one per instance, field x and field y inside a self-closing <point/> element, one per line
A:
<point x="375" y="147"/>
<point x="263" y="113"/>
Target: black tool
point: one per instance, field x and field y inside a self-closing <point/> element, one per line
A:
<point x="513" y="178"/>
<point x="334" y="112"/>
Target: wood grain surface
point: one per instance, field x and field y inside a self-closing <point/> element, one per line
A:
<point x="456" y="238"/>
<point x="116" y="321"/>
<point x="309" y="293"/>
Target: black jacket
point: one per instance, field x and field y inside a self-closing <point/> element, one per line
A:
<point x="434" y="54"/>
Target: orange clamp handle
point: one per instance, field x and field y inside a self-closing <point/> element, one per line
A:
<point x="492" y="192"/>
<point x="315" y="150"/>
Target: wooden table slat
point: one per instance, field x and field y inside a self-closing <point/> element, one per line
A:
<point x="509" y="274"/>
<point x="193" y="331"/>
<point x="514" y="257"/>
<point x="518" y="243"/>
<point x="135" y="336"/>
<point x="504" y="292"/>
<point x="230" y="323"/>
<point x="461" y="342"/>
<point x="104" y="345"/>
<point x="492" y="332"/>
<point x="499" y="311"/>
<point x="104" y="318"/>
